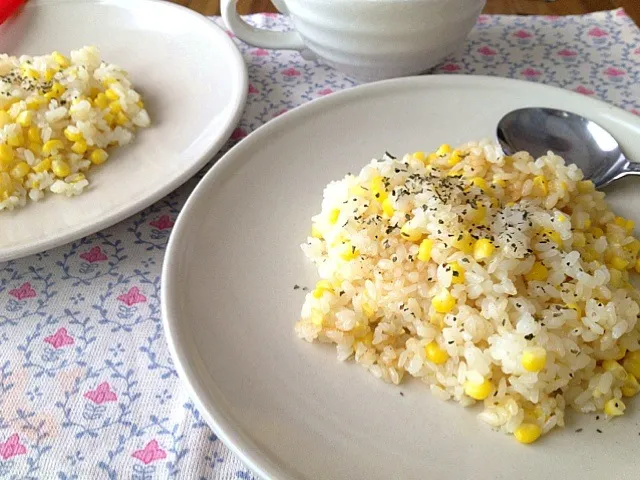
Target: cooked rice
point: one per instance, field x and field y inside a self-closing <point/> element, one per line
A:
<point x="547" y="319"/>
<point x="58" y="116"/>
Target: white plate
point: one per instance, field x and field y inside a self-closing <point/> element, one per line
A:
<point x="194" y="84"/>
<point x="289" y="408"/>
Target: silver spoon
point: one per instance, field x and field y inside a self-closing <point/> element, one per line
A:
<point x="576" y="139"/>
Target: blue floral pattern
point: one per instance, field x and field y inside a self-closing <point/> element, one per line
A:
<point x="87" y="386"/>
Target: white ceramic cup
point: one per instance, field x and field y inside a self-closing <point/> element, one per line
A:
<point x="367" y="39"/>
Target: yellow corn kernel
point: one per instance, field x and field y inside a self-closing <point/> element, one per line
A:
<point x="60" y="168"/>
<point x="631" y="363"/>
<point x="585" y="186"/>
<point x="436" y="354"/>
<point x="615" y="369"/>
<point x="587" y="224"/>
<point x="479" y="182"/>
<point x="58" y="89"/>
<point x="420" y="156"/>
<point x="527" y="433"/>
<point x="579" y="240"/>
<point x="115" y="107"/>
<point x="321" y="287"/>
<point x="464" y="242"/>
<point x="30" y="72"/>
<point x="6" y="154"/>
<point x="121" y="119"/>
<point x="51" y="146"/>
<point x="24" y="118"/>
<point x="36" y="102"/>
<point x="431" y="157"/>
<point x="36" y="148"/>
<point x="73" y="134"/>
<point x="424" y="251"/>
<point x="16" y="140"/>
<point x="443" y="302"/>
<point x="619" y="263"/>
<point x="317" y="318"/>
<point x="60" y="59"/>
<point x="33" y="134"/>
<point x="140" y="103"/>
<point x="483" y="249"/>
<point x="637" y="265"/>
<point x="20" y="170"/>
<point x="409" y="234"/>
<point x="540" y="188"/>
<point x="533" y="359"/>
<point x="631" y="386"/>
<point x="49" y="73"/>
<point x="378" y="189"/>
<point x="478" y="391"/>
<point x="499" y="182"/>
<point x="76" y="177"/>
<point x="387" y="208"/>
<point x="443" y="150"/>
<point x="614" y="407"/>
<point x="101" y="101"/>
<point x="552" y="235"/>
<point x="42" y="166"/>
<point x="455" y="158"/>
<point x="109" y="117"/>
<point x="479" y="214"/>
<point x="537" y="273"/>
<point x="348" y="252"/>
<point x="6" y="185"/>
<point x="5" y="118"/>
<point x="111" y="94"/>
<point x="457" y="273"/>
<point x="629" y="225"/>
<point x="367" y="310"/>
<point x="315" y="232"/>
<point x="597" y="232"/>
<point x="617" y="281"/>
<point x="79" y="147"/>
<point x="334" y="215"/>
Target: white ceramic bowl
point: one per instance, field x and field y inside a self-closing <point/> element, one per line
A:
<point x="368" y="39"/>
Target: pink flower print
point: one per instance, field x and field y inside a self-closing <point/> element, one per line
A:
<point x="291" y="72"/>
<point x="584" y="90"/>
<point x="567" y="53"/>
<point x="635" y="112"/>
<point x="102" y="394"/>
<point x="230" y="34"/>
<point x="150" y="453"/>
<point x="615" y="74"/>
<point x="253" y="89"/>
<point x="164" y="222"/>
<point x="551" y="18"/>
<point x="270" y="14"/>
<point x="284" y="110"/>
<point x="598" y="35"/>
<point x="238" y="134"/>
<point x="522" y="34"/>
<point x="487" y="51"/>
<point x="483" y="19"/>
<point x="59" y="339"/>
<point x="637" y="51"/>
<point x="531" y="72"/>
<point x="325" y="91"/>
<point x="597" y="32"/>
<point x="132" y="297"/>
<point x="450" y="67"/>
<point x="23" y="291"/>
<point x="260" y="52"/>
<point x="621" y="13"/>
<point x="12" y="447"/>
<point x="94" y="255"/>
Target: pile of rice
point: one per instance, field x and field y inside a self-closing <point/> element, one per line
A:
<point x="58" y="115"/>
<point x="495" y="279"/>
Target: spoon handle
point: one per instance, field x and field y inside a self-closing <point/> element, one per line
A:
<point x="632" y="168"/>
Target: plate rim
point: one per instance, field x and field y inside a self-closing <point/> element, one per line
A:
<point x="239" y="102"/>
<point x="187" y="367"/>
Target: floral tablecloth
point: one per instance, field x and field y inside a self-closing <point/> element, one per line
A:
<point x="87" y="387"/>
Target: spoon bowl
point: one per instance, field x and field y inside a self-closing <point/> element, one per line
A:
<point x="575" y="138"/>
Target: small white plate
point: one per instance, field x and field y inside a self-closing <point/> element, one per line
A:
<point x="289" y="408"/>
<point x="193" y="81"/>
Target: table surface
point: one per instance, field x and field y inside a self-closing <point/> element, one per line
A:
<point x="518" y="7"/>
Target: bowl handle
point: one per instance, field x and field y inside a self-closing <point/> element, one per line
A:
<point x="258" y="37"/>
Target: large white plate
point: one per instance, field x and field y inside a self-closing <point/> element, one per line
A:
<point x="288" y="408"/>
<point x="194" y="83"/>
